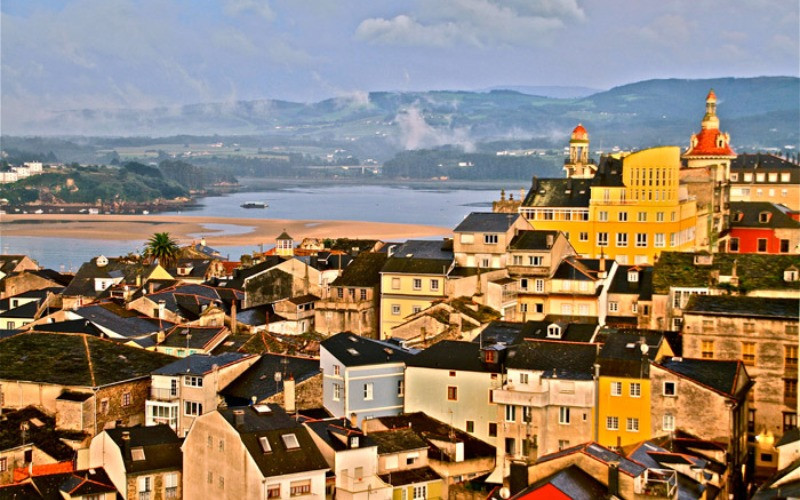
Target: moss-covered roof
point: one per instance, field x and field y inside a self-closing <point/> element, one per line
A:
<point x="68" y="359"/>
<point x="364" y="271"/>
<point x="755" y="271"/>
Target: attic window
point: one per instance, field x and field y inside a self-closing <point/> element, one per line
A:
<point x="790" y="274"/>
<point x="352" y="339"/>
<point x="290" y="441"/>
<point x="137" y="454"/>
<point x="764" y="217"/>
<point x="262" y="409"/>
<point x="738" y="217"/>
<point x="554" y="332"/>
<point x="633" y="276"/>
<point x="491" y="356"/>
<point x="352" y="351"/>
<point x="265" y="447"/>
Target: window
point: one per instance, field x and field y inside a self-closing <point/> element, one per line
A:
<point x="623" y="216"/>
<point x="395" y="309"/>
<point x="411" y="458"/>
<point x="790" y="388"/>
<point x="751" y="419"/>
<point x="337" y="370"/>
<point x="523" y="283"/>
<point x="523" y="378"/>
<point x="298" y="488"/>
<point x="760" y="177"/>
<point x="490" y="239"/>
<point x="583" y="236"/>
<point x="634" y="307"/>
<point x="523" y="308"/>
<point x="749" y="353"/>
<point x="616" y="388"/>
<point x="613" y="306"/>
<point x="368" y="391"/>
<point x="733" y="246"/>
<point x="434" y="285"/>
<point x="786" y="177"/>
<point x="622" y="239"/>
<point x="642" y="217"/>
<point x="554" y="331"/>
<point x="126" y="399"/>
<point x="632" y="425"/>
<point x="707" y="349"/>
<point x="192" y="409"/>
<point x="421" y="492"/>
<point x="641" y="240"/>
<point x="337" y="392"/>
<point x="527" y="414"/>
<point x="668" y="422"/>
<point x="340" y="292"/>
<point x="395" y="283"/>
<point x="603" y="216"/>
<point x="660" y="217"/>
<point x="191" y="381"/>
<point x="492" y="429"/>
<point x="221" y="481"/>
<point x="290" y="441"/>
<point x="145" y="484"/>
<point x="538" y="285"/>
<point x="416" y="309"/>
<point x="563" y="415"/>
<point x="636" y="389"/>
<point x="210" y="477"/>
<point x="264" y="442"/>
<point x="539" y="307"/>
<point x="362" y="294"/>
<point x="784" y="246"/>
<point x="511" y="413"/>
<point x="452" y="393"/>
<point x="517" y="260"/>
<point x="602" y="239"/>
<point x="762" y="245"/>
<point x="274" y="491"/>
<point x="470" y="426"/>
<point x="535" y="260"/>
<point x="789" y="421"/>
<point x="511" y="446"/>
<point x="660" y="242"/>
<point x="417" y="284"/>
<point x="670" y="389"/>
<point x="612" y="423"/>
<point x="790" y="356"/>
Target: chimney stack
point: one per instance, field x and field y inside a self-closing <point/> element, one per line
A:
<point x="613" y="479"/>
<point x="162" y="305"/>
<point x="549" y="241"/>
<point x="238" y="417"/>
<point x="126" y="444"/>
<point x="234" y="326"/>
<point x="289" y="400"/>
<point x="518" y="478"/>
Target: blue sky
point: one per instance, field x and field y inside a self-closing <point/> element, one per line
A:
<point x="75" y="54"/>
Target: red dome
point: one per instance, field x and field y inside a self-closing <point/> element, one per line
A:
<point x="580" y="134"/>
<point x="708" y="144"/>
<point x="711" y="96"/>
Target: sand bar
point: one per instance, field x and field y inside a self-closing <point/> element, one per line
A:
<point x="233" y="232"/>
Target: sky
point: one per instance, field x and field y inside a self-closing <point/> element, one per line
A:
<point x="96" y="54"/>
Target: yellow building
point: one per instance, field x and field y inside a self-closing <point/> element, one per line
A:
<point x="623" y="401"/>
<point x="412" y="278"/>
<point x="631" y="210"/>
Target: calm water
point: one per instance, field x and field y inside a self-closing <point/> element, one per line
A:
<point x="446" y="207"/>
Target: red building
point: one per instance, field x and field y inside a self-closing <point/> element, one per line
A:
<point x="762" y="227"/>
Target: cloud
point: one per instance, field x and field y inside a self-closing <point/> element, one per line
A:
<point x="416" y="133"/>
<point x="479" y="23"/>
<point x="261" y="8"/>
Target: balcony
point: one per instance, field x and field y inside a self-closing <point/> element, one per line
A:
<point x="543" y="397"/>
<point x="161" y="394"/>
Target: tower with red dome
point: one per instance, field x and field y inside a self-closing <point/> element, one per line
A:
<point x="579" y="166"/>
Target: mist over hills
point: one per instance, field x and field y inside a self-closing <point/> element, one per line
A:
<point x="758" y="112"/>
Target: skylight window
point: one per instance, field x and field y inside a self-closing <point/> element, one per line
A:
<point x="352" y="351"/>
<point x="262" y="409"/>
<point x="290" y="441"/>
<point x="137" y="454"/>
<point x="265" y="447"/>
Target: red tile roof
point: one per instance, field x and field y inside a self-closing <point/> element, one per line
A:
<point x="707" y="144"/>
<point x="22" y="473"/>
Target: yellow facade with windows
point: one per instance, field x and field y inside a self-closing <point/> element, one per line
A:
<point x="635" y="210"/>
<point x="406" y="294"/>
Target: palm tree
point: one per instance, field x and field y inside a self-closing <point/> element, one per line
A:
<point x="162" y="248"/>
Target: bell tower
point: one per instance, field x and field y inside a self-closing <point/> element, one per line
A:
<point x="578" y="166"/>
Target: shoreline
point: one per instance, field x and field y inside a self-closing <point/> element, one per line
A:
<point x="188" y="229"/>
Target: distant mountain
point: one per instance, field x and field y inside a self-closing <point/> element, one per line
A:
<point x="758" y="112"/>
<point x="554" y="91"/>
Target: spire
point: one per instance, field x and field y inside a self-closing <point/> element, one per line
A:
<point x="710" y="120"/>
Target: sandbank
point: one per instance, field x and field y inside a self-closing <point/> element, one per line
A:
<point x="185" y="229"/>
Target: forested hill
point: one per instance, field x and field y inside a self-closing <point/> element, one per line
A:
<point x="758" y="112"/>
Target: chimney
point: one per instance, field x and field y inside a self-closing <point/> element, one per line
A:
<point x="602" y="274"/>
<point x="353" y="420"/>
<point x="459" y="451"/>
<point x="138" y="280"/>
<point x="238" y="417"/>
<point x="518" y="478"/>
<point x="549" y="241"/>
<point x="162" y="305"/>
<point x="203" y="241"/>
<point x="233" y="317"/>
<point x="151" y="287"/>
<point x="160" y="337"/>
<point x="289" y="401"/>
<point x="126" y="444"/>
<point x="613" y="479"/>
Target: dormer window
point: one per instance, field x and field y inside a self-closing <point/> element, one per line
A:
<point x="290" y="441"/>
<point x="790" y="274"/>
<point x="764" y="217"/>
<point x="633" y="276"/>
<point x="490" y="356"/>
<point x="554" y="332"/>
<point x="738" y="217"/>
<point x="354" y="442"/>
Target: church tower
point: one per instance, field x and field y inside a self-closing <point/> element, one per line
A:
<point x="578" y="166"/>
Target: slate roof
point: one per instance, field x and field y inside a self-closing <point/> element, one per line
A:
<point x="453" y="355"/>
<point x="52" y="275"/>
<point x="126" y="323"/>
<point x="578" y="269"/>
<point x="254" y="316"/>
<point x="744" y="306"/>
<point x="621" y="354"/>
<point x="557" y="359"/>
<point x="83" y="282"/>
<point x="755" y="271"/>
<point x="609" y="172"/>
<point x="44" y="436"/>
<point x="643" y="287"/>
<point x="25" y="311"/>
<point x="348" y="245"/>
<point x="199" y="268"/>
<point x="161" y="446"/>
<point x="486" y="222"/>
<point x="761" y="162"/>
<point x="70" y="326"/>
<point x="559" y="193"/>
<point x="573" y="482"/>
<point x="720" y="375"/>
<point x="9" y="262"/>
<point x="64" y="359"/>
<point x="363" y="271"/>
<point x="421" y="257"/>
<point x="303" y="299"/>
<point x="532" y="240"/>
<point x="411" y="476"/>
<point x="201" y="336"/>
<point x="240" y="275"/>
<point x="600" y="453"/>
<point x="273" y="426"/>
<point x="397" y="440"/>
<point x="259" y="379"/>
<point x="186" y="298"/>
<point x="570" y="331"/>
<point x="335" y="432"/>
<point x="366" y="351"/>
<point x="429" y="428"/>
<point x="200" y="364"/>
<point x="77" y="483"/>
<point x="747" y="214"/>
<point x="787" y="489"/>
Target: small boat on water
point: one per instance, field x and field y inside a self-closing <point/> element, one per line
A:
<point x="255" y="204"/>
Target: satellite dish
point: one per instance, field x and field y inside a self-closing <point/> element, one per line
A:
<point x="505" y="492"/>
<point x="645" y="348"/>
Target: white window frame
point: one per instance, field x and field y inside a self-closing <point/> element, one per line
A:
<point x="641" y="240"/>
<point x="622" y="240"/>
<point x="563" y="415"/>
<point x="668" y="422"/>
<point x="674" y="386"/>
<point x="635" y="390"/>
<point x="490" y="239"/>
<point x="612" y="423"/>
<point x="369" y="391"/>
<point x="632" y="424"/>
<point x="616" y="388"/>
<point x="602" y="239"/>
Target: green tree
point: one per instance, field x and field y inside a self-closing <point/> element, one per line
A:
<point x="162" y="248"/>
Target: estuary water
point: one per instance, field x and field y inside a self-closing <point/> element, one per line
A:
<point x="373" y="203"/>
